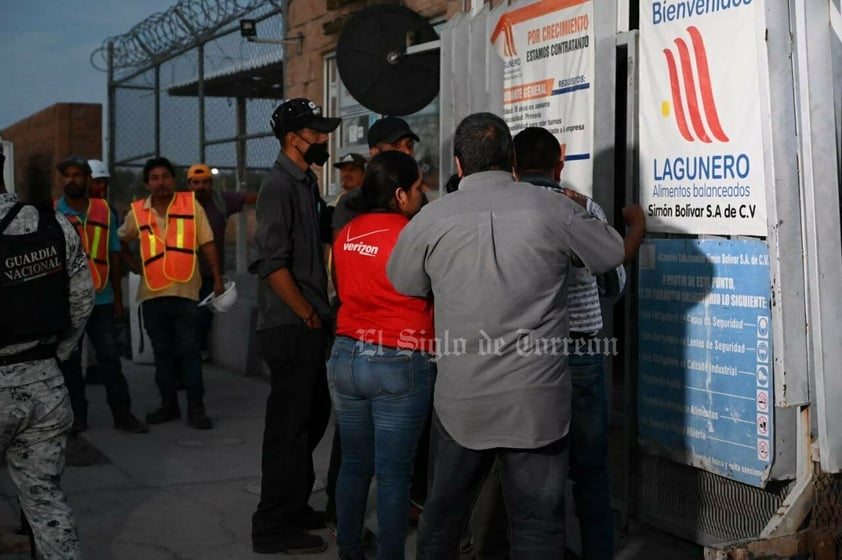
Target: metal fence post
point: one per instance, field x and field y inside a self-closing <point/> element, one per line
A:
<point x="201" y="87"/>
<point x="112" y="113"/>
<point x="242" y="166"/>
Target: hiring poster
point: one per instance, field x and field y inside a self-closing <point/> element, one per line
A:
<point x="548" y="52"/>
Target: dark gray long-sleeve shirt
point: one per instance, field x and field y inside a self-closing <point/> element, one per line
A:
<point x="496" y="256"/>
<point x="288" y="236"/>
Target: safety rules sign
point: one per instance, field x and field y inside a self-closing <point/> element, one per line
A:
<point x="701" y="148"/>
<point x="548" y="51"/>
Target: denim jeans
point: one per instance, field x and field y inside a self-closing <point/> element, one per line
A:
<point x="171" y="325"/>
<point x="589" y="456"/>
<point x="297" y="413"/>
<point x="588" y="471"/>
<point x="487" y="537"/>
<point x="100" y="329"/>
<point x="382" y="398"/>
<point x="533" y="482"/>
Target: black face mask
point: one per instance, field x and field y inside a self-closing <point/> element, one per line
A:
<point x="316" y="153"/>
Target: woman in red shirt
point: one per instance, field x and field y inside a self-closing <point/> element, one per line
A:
<point x="380" y="371"/>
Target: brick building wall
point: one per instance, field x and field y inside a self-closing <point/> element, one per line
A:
<point x="48" y="136"/>
<point x="305" y="72"/>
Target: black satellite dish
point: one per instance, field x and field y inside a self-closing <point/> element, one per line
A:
<point x="374" y="64"/>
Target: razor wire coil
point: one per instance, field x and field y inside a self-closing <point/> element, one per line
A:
<point x="176" y="28"/>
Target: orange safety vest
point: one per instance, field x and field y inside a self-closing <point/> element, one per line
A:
<point x="171" y="259"/>
<point x="94" y="231"/>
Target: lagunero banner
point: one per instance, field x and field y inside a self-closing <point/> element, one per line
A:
<point x="701" y="149"/>
<point x="548" y="49"/>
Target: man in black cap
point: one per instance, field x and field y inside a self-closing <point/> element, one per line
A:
<point x="292" y="299"/>
<point x="388" y="133"/>
<point x="391" y="133"/>
<point x="351" y="172"/>
<point x="351" y="168"/>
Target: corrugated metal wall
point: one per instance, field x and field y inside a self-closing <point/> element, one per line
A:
<point x="471" y="76"/>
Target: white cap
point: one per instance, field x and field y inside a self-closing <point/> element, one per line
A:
<point x="98" y="169"/>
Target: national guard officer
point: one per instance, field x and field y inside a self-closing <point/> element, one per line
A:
<point x="46" y="297"/>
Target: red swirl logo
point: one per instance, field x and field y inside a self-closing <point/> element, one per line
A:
<point x="693" y="91"/>
<point x="505" y="27"/>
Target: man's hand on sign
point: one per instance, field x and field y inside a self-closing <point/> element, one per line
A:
<point x="636" y="221"/>
<point x="633" y="216"/>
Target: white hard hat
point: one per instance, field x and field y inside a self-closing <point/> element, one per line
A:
<point x="224" y="301"/>
<point x="98" y="169"/>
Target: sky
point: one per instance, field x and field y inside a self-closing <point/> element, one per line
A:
<point x="46" y="48"/>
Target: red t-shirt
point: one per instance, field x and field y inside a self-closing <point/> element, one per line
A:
<point x="372" y="310"/>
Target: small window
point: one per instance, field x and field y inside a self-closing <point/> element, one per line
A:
<point x="356" y="119"/>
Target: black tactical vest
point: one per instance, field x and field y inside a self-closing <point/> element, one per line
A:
<point x="34" y="287"/>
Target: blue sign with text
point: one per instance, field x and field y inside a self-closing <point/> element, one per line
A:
<point x="705" y="392"/>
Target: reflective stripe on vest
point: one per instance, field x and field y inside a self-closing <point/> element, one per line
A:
<point x="95" y="232"/>
<point x="172" y="258"/>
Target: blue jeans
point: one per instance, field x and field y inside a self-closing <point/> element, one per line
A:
<point x="588" y="471"/>
<point x="533" y="482"/>
<point x="382" y="397"/>
<point x="171" y="325"/>
<point x="589" y="456"/>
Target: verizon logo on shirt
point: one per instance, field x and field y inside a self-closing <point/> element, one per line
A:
<point x="353" y="245"/>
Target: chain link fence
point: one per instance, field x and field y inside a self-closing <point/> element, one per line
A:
<point x="181" y="87"/>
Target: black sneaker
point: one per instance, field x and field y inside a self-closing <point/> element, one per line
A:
<point x="290" y="542"/>
<point x="80" y="424"/>
<point x="164" y="413"/>
<point x="310" y="519"/>
<point x="125" y="421"/>
<point x="198" y="420"/>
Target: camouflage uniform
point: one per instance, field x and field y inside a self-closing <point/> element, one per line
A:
<point x="36" y="413"/>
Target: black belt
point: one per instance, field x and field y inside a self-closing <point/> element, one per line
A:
<point x="581" y="335"/>
<point x="39" y="352"/>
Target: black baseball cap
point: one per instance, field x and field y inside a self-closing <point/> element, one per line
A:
<point x="297" y="113"/>
<point x="78" y="161"/>
<point x="352" y="159"/>
<point x="389" y="130"/>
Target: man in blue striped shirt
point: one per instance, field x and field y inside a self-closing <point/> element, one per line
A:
<point x="538" y="161"/>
